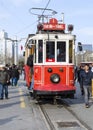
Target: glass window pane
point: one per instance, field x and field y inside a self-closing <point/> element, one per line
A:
<point x="40" y="51"/>
<point x="61" y="51"/>
<point x="50" y="51"/>
<point x="35" y="52"/>
<point x="70" y="51"/>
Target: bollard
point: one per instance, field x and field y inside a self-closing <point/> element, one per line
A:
<point x="92" y="88"/>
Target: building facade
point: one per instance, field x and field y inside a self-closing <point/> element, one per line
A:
<point x="86" y="55"/>
<point x="6" y="49"/>
<point x="3" y="47"/>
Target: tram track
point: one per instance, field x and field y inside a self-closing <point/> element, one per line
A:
<point x="67" y="107"/>
<point x="47" y="119"/>
<point x="44" y="107"/>
<point x="64" y="104"/>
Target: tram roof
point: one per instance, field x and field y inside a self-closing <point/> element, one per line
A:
<point x="53" y="36"/>
<point x="60" y="36"/>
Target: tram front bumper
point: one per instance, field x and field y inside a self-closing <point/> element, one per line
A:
<point x="53" y="93"/>
<point x="54" y="90"/>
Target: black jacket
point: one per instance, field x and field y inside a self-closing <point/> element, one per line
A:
<point x="15" y="73"/>
<point x="79" y="72"/>
<point x="4" y="77"/>
<point x="86" y="77"/>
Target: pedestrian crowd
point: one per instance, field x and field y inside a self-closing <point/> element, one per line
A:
<point x="9" y="75"/>
<point x="84" y="75"/>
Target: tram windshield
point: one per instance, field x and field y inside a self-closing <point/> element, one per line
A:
<point x="50" y="51"/>
<point x="55" y="51"/>
<point x="61" y="51"/>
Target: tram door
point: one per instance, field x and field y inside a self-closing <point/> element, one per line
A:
<point x="38" y="63"/>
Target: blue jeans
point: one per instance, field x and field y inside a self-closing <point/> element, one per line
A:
<point x="14" y="81"/>
<point x="32" y="83"/>
<point x="5" y="90"/>
<point x="86" y="93"/>
<point x="1" y="89"/>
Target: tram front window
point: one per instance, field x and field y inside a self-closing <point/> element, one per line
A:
<point x="61" y="51"/>
<point x="40" y="51"/>
<point x="50" y="51"/>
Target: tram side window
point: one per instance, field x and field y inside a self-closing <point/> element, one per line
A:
<point x="70" y="51"/>
<point x="50" y="51"/>
<point x="40" y="51"/>
<point x="35" y="52"/>
<point x="61" y="51"/>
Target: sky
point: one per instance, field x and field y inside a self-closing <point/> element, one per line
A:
<point x="16" y="19"/>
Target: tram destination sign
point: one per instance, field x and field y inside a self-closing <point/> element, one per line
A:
<point x="48" y="26"/>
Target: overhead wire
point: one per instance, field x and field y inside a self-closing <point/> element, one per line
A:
<point x="25" y="28"/>
<point x="28" y="26"/>
<point x="46" y="7"/>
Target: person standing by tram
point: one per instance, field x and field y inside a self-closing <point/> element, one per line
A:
<point x="79" y="72"/>
<point x="86" y="77"/>
<point x="14" y="75"/>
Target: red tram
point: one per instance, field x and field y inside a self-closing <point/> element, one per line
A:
<point x="53" y="52"/>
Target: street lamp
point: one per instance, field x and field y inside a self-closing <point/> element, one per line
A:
<point x="14" y="50"/>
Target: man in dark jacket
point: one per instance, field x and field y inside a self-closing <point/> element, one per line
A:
<point x="14" y="75"/>
<point x="4" y="79"/>
<point x="86" y="77"/>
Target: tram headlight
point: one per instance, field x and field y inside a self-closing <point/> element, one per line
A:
<point x="70" y="27"/>
<point x="55" y="78"/>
